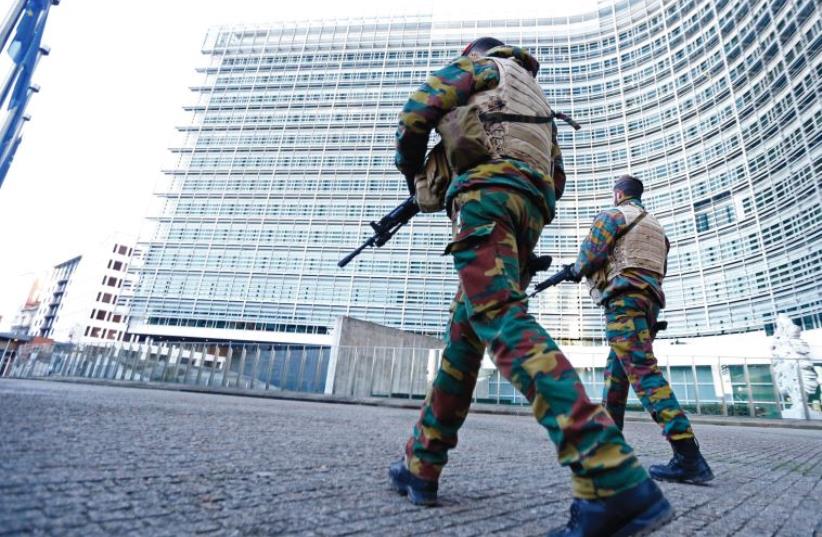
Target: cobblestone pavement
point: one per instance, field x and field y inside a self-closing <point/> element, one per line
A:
<point x="95" y="460"/>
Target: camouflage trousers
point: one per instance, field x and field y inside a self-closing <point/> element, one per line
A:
<point x="630" y="319"/>
<point x="499" y="227"/>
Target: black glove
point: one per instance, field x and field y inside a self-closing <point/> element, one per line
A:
<point x="572" y="274"/>
<point x="538" y="263"/>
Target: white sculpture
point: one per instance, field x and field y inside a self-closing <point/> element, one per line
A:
<point x="792" y="358"/>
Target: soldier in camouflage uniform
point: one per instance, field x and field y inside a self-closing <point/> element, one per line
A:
<point x="501" y="205"/>
<point x="624" y="258"/>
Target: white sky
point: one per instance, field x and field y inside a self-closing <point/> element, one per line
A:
<point x="111" y="92"/>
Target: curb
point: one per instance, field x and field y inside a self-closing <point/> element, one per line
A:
<point x="413" y="404"/>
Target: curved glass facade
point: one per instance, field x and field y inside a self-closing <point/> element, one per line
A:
<point x="288" y="150"/>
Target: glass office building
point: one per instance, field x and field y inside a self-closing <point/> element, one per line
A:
<point x="287" y="154"/>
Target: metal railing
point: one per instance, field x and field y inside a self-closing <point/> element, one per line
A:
<point x="718" y="385"/>
<point x="248" y="367"/>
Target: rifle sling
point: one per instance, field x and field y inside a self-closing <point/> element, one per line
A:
<point x="630" y="226"/>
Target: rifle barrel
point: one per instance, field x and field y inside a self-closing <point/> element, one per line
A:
<point x="347" y="259"/>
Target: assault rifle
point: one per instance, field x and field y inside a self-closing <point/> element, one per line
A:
<point x="567" y="274"/>
<point x="564" y="275"/>
<point x="385" y="228"/>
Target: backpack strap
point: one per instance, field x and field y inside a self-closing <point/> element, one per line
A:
<point x="498" y="117"/>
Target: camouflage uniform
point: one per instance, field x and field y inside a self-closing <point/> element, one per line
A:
<point x="632" y="301"/>
<point x="502" y="206"/>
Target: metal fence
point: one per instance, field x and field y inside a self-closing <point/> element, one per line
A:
<point x="249" y="367"/>
<point x="727" y="386"/>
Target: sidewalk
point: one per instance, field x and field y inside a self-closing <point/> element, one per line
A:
<point x="478" y="408"/>
<point x="81" y="459"/>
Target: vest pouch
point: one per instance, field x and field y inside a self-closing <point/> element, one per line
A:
<point x="464" y="137"/>
<point x="596" y="283"/>
<point x="432" y="183"/>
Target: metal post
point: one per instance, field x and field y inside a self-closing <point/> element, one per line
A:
<point x="241" y="368"/>
<point x="284" y="372"/>
<point x="213" y="371"/>
<point x="271" y="355"/>
<point x="187" y="366"/>
<point x="118" y="349"/>
<point x="805" y="410"/>
<point x="163" y="364"/>
<point x="104" y="360"/>
<point x="95" y="364"/>
<point x="112" y="362"/>
<point x="120" y="372"/>
<point x="751" y="409"/>
<point x="78" y="357"/>
<point x="75" y="361"/>
<point x="317" y="369"/>
<point x="302" y="369"/>
<point x="776" y="394"/>
<point x="721" y="386"/>
<point x="100" y="371"/>
<point x="5" y="360"/>
<point x="52" y="362"/>
<point x="202" y="361"/>
<point x="227" y="365"/>
<point x="411" y="377"/>
<point x="63" y="364"/>
<point x="88" y="360"/>
<point x="157" y="362"/>
<point x="352" y="371"/>
<point x="696" y="385"/>
<point x="254" y="368"/>
<point x="393" y="366"/>
<point x="144" y="360"/>
<point x="99" y="358"/>
<point x="177" y="360"/>
<point x="133" y="357"/>
<point x="373" y="368"/>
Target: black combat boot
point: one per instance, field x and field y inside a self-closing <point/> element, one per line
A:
<point x="687" y="465"/>
<point x="419" y="491"/>
<point x="635" y="512"/>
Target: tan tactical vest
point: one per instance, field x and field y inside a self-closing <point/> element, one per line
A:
<point x="471" y="134"/>
<point x="642" y="247"/>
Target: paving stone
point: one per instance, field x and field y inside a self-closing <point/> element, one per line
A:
<point x="101" y="460"/>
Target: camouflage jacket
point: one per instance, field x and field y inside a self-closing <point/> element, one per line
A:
<point x="451" y="87"/>
<point x="598" y="245"/>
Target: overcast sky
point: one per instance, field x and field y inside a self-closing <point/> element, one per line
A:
<point x="111" y="92"/>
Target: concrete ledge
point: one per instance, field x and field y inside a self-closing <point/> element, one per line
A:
<point x="482" y="408"/>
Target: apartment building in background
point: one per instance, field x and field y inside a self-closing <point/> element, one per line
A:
<point x="78" y="302"/>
